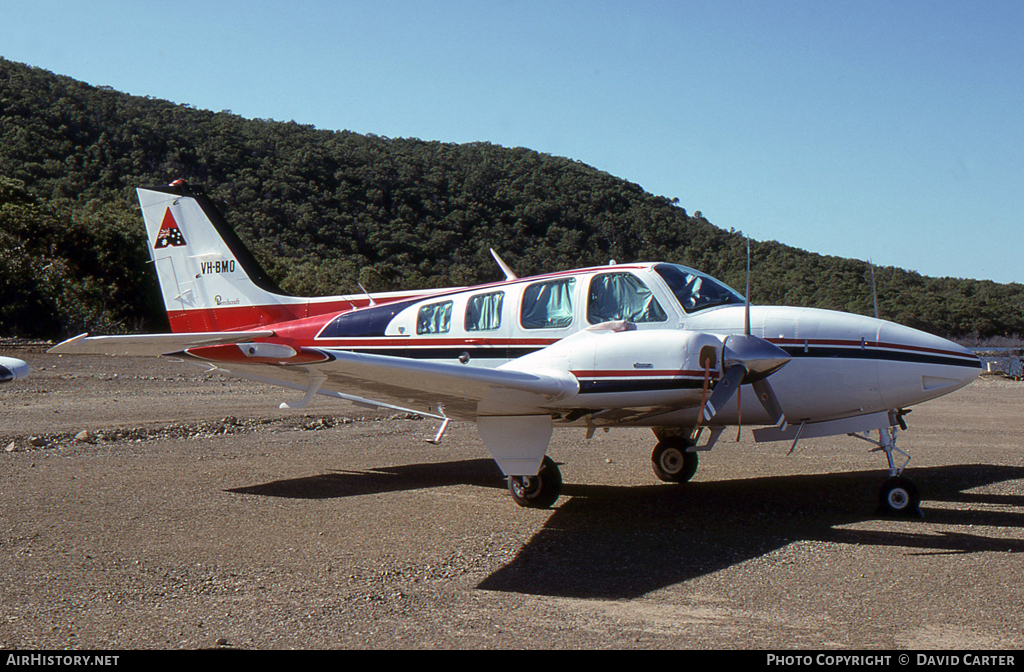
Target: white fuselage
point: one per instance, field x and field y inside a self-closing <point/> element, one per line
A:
<point x="841" y="365"/>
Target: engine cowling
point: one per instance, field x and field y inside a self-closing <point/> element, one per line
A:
<point x="620" y="366"/>
<point x="12" y="369"/>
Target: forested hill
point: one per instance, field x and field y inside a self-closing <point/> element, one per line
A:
<point x="323" y="210"/>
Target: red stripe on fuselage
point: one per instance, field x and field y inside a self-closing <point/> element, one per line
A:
<point x="413" y="342"/>
<point x="231" y="318"/>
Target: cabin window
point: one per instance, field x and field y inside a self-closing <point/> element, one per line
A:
<point x="435" y="318"/>
<point x="696" y="291"/>
<point x="548" y="305"/>
<point x="483" y="312"/>
<point x="622" y="296"/>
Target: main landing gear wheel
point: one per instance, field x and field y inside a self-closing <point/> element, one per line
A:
<point x="671" y="462"/>
<point x="540" y="491"/>
<point x="899" y="497"/>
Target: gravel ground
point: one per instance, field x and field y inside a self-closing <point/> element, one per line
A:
<point x="144" y="504"/>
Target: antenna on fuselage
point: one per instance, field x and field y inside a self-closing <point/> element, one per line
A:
<point x="509" y="275"/>
<point x="746" y="318"/>
<point x="874" y="292"/>
<point x="372" y="302"/>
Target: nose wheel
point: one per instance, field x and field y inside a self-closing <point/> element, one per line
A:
<point x="899" y="497"/>
<point x="540" y="491"/>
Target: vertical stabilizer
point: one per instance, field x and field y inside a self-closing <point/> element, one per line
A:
<point x="208" y="279"/>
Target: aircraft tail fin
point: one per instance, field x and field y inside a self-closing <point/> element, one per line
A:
<point x="208" y="279"/>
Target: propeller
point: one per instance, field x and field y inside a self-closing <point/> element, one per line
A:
<point x="748" y="359"/>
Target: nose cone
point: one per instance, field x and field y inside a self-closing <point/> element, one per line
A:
<point x="920" y="366"/>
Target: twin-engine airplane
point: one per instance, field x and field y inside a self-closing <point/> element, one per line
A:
<point x="631" y="345"/>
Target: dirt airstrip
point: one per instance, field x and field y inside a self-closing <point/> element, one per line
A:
<point x="145" y="504"/>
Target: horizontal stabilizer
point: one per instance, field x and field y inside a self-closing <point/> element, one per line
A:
<point x="151" y="344"/>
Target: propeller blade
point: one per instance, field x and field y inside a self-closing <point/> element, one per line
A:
<point x="748" y="359"/>
<point x="724" y="390"/>
<point x="766" y="395"/>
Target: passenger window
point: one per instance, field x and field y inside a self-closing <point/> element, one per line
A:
<point x="622" y="296"/>
<point x="548" y="305"/>
<point x="483" y="312"/>
<point x="435" y="318"/>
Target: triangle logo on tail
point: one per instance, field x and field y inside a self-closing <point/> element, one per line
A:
<point x="169" y="233"/>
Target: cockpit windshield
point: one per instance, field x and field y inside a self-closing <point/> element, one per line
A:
<point x="696" y="291"/>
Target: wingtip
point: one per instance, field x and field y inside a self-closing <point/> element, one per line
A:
<point x="64" y="346"/>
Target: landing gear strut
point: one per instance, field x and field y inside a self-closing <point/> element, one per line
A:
<point x="898" y="495"/>
<point x="671" y="461"/>
<point x="540" y="491"/>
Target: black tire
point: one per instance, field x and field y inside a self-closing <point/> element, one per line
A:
<point x="671" y="461"/>
<point x="899" y="497"/>
<point x="540" y="491"/>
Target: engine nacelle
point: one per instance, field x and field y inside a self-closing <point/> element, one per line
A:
<point x="12" y="369"/>
<point x="626" y="367"/>
<point x="645" y="354"/>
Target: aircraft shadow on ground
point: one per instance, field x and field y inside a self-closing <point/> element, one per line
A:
<point x="621" y="542"/>
<point x="482" y="473"/>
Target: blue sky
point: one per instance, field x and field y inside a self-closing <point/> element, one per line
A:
<point x="885" y="130"/>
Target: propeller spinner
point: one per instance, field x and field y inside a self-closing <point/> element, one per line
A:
<point x="746" y="360"/>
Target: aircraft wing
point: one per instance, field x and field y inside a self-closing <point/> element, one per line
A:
<point x="398" y="383"/>
<point x="151" y="344"/>
<point x="432" y="388"/>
